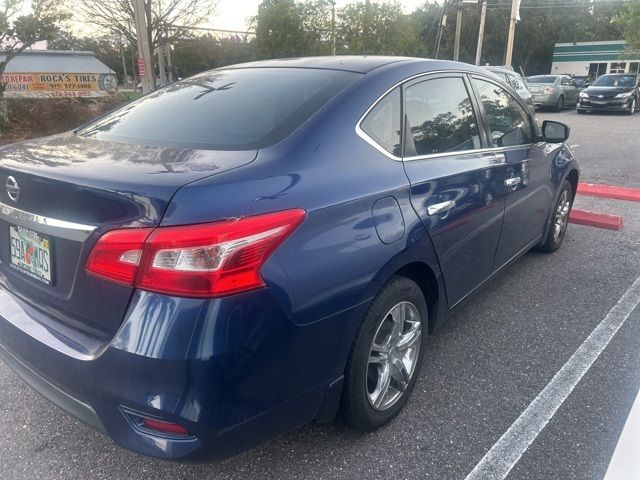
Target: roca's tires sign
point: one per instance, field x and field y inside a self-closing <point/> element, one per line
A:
<point x="59" y="84"/>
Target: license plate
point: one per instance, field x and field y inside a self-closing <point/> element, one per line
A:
<point x="31" y="253"/>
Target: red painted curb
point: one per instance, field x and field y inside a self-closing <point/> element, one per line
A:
<point x="609" y="191"/>
<point x="599" y="220"/>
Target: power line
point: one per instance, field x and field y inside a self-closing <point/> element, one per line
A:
<point x="559" y="5"/>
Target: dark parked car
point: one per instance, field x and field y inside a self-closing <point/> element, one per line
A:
<point x="515" y="81"/>
<point x="247" y="250"/>
<point x="611" y="92"/>
<point x="582" y="81"/>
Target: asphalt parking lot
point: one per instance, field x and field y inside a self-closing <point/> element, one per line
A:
<point x="481" y="371"/>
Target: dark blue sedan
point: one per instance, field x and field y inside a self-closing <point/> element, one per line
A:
<point x="264" y="245"/>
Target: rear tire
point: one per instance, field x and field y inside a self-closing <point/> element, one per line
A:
<point x="559" y="221"/>
<point x="559" y="104"/>
<point x="581" y="112"/>
<point x="386" y="355"/>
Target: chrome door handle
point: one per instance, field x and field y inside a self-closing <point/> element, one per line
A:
<point x="512" y="182"/>
<point x="441" y="207"/>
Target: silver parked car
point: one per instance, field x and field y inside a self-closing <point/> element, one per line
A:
<point x="553" y="91"/>
<point x="515" y="81"/>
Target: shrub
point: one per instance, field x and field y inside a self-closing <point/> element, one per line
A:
<point x="38" y="117"/>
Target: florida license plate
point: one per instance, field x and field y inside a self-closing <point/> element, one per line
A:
<point x="31" y="253"/>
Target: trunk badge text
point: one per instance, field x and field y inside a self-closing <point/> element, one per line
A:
<point x="13" y="189"/>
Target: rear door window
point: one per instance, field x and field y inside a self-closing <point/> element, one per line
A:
<point x="509" y="122"/>
<point x="382" y="123"/>
<point x="440" y="117"/>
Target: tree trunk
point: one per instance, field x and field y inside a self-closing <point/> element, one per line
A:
<point x="4" y="109"/>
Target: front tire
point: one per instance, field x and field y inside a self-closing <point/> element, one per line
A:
<point x="559" y="104"/>
<point x="386" y="355"/>
<point x="559" y="221"/>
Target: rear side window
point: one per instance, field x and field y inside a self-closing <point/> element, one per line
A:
<point x="440" y="117"/>
<point x="509" y="123"/>
<point x="382" y="123"/>
<point x="235" y="109"/>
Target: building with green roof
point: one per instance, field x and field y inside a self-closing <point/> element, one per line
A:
<point x="594" y="58"/>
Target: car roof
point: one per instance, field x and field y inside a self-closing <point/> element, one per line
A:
<point x="351" y="63"/>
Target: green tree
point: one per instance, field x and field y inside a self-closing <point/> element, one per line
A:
<point x="629" y="21"/>
<point x="289" y="28"/>
<point x="19" y="31"/>
<point x="380" y="28"/>
<point x="197" y="54"/>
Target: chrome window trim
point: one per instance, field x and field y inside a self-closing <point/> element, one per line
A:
<point x="12" y="213"/>
<point x="362" y="134"/>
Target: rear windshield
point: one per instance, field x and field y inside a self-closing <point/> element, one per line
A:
<point x="615" y="81"/>
<point x="238" y="109"/>
<point x="542" y="79"/>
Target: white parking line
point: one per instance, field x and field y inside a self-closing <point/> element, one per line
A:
<point x="625" y="462"/>
<point x="507" y="451"/>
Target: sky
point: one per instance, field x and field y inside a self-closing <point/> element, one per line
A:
<point x="233" y="14"/>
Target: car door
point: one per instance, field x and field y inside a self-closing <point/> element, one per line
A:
<point x="453" y="178"/>
<point x="526" y="168"/>
<point x="569" y="90"/>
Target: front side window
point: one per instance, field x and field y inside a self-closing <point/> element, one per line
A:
<point x="382" y="123"/>
<point x="509" y="123"/>
<point x="440" y="117"/>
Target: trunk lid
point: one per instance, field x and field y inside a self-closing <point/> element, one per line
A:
<point x="69" y="190"/>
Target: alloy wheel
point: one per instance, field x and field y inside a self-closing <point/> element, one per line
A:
<point x="393" y="355"/>
<point x="562" y="215"/>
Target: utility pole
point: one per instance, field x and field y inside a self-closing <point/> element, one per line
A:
<point x="170" y="65"/>
<point x="483" y="16"/>
<point x="367" y="19"/>
<point x="443" y="23"/>
<point x="515" y="7"/>
<point x="333" y="27"/>
<point x="144" y="52"/>
<point x="125" y="79"/>
<point x="161" y="65"/>
<point x="456" y="47"/>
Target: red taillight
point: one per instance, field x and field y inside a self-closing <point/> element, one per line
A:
<point x="548" y="90"/>
<point x="207" y="260"/>
<point x="117" y="255"/>
<point x="164" y="427"/>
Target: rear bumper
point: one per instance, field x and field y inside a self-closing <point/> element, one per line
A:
<point x="234" y="372"/>
<point x="542" y="100"/>
<point x="62" y="399"/>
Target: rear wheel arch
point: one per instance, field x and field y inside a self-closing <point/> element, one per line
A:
<point x="425" y="278"/>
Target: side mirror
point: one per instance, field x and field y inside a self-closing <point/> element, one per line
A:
<point x="555" y="132"/>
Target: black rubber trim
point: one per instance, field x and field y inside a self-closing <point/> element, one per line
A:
<point x="66" y="402"/>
